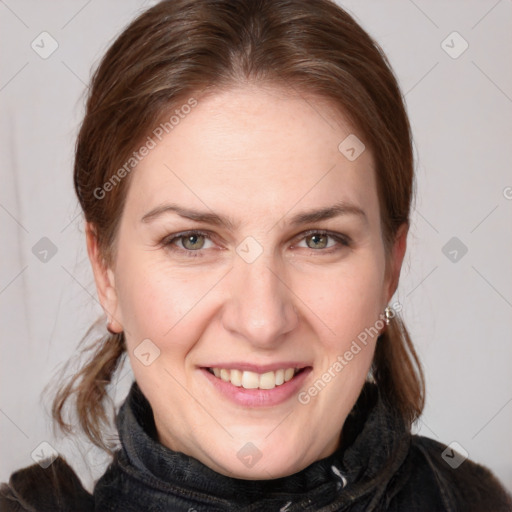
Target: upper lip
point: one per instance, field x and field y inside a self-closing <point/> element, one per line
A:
<point x="258" y="368"/>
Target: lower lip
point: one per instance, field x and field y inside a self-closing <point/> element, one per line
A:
<point x="258" y="397"/>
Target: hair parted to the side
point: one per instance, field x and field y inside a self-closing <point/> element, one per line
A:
<point x="178" y="49"/>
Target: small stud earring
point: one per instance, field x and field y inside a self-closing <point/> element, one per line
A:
<point x="389" y="314"/>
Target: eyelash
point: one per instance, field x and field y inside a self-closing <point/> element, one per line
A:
<point x="168" y="242"/>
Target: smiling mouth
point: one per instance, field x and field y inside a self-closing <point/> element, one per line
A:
<point x="253" y="380"/>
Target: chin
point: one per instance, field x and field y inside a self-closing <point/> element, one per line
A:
<point x="263" y="461"/>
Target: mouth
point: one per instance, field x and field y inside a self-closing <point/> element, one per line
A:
<point x="248" y="385"/>
<point x="253" y="380"/>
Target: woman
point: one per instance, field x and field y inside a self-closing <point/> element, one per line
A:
<point x="245" y="171"/>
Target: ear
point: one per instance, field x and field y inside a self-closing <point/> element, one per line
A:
<point x="104" y="278"/>
<point x="396" y="260"/>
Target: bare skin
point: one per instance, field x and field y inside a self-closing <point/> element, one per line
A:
<point x="258" y="157"/>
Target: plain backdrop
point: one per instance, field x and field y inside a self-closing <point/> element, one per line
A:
<point x="456" y="284"/>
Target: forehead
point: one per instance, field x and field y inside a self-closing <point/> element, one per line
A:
<point x="254" y="149"/>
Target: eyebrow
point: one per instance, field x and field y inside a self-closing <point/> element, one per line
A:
<point x="306" y="217"/>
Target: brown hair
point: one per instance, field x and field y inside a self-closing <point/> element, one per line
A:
<point x="177" y="49"/>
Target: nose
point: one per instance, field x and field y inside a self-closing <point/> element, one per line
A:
<point x="260" y="308"/>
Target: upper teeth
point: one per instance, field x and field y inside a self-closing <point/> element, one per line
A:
<point x="253" y="380"/>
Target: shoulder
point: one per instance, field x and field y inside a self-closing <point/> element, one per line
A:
<point x="433" y="469"/>
<point x="55" y="488"/>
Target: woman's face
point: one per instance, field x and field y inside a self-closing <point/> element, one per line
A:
<point x="250" y="280"/>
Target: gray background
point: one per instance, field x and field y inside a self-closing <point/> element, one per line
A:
<point x="459" y="312"/>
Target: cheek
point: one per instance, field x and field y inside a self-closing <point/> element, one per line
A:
<point x="346" y="299"/>
<point x="158" y="302"/>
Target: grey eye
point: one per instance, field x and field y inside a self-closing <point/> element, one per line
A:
<point x="193" y="242"/>
<point x="318" y="241"/>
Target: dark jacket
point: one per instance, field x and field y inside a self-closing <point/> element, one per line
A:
<point x="380" y="466"/>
